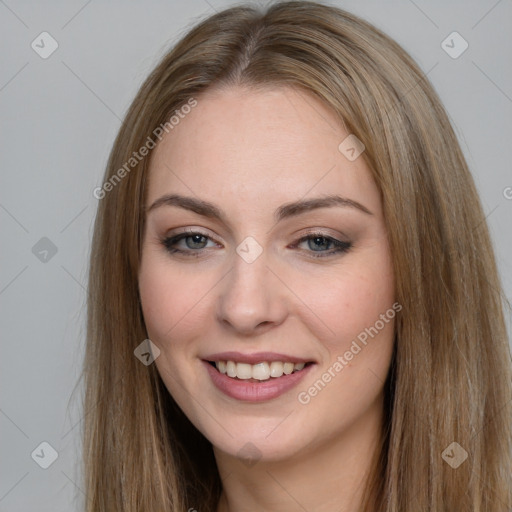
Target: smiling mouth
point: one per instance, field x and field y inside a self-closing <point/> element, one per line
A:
<point x="260" y="372"/>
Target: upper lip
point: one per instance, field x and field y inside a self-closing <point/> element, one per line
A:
<point x="256" y="357"/>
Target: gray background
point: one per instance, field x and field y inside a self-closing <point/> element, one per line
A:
<point x="59" y="117"/>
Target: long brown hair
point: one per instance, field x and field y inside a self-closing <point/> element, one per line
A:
<point x="451" y="373"/>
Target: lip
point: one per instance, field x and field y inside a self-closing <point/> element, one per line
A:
<point x="255" y="391"/>
<point x="255" y="358"/>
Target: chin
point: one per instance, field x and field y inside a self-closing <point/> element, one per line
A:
<point x="260" y="441"/>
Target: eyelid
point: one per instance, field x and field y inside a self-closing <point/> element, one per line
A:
<point x="191" y="231"/>
<point x="325" y="232"/>
<point x="320" y="232"/>
<point x="340" y="248"/>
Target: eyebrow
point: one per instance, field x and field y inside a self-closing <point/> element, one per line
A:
<point x="287" y="210"/>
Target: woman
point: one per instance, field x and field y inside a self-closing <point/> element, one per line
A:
<point x="288" y="217"/>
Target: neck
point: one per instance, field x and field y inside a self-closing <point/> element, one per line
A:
<point x="323" y="476"/>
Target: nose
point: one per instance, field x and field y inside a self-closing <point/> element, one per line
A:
<point x="252" y="299"/>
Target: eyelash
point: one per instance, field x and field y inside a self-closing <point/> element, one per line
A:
<point x="341" y="247"/>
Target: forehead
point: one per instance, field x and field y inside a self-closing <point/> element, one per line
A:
<point x="247" y="145"/>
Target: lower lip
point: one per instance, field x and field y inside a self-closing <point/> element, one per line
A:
<point x="255" y="391"/>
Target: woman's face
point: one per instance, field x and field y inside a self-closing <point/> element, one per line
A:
<point x="246" y="260"/>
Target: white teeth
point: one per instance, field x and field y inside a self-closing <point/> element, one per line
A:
<point x="276" y="369"/>
<point x="244" y="371"/>
<point x="288" y="368"/>
<point x="260" y="371"/>
<point x="231" y="369"/>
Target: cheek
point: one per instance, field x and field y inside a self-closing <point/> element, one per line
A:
<point x="359" y="311"/>
<point x="349" y="301"/>
<point x="170" y="299"/>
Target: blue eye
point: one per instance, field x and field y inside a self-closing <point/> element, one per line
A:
<point x="318" y="245"/>
<point x="194" y="242"/>
<point x="324" y="245"/>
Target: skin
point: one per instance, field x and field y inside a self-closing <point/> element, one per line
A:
<point x="249" y="152"/>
